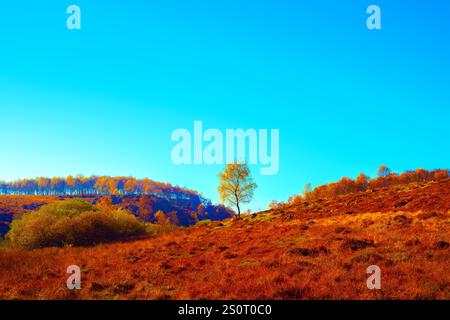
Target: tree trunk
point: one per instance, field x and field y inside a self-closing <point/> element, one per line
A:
<point x="237" y="204"/>
<point x="239" y="210"/>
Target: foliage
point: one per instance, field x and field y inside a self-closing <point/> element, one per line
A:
<point x="307" y="193"/>
<point x="236" y="185"/>
<point x="383" y="171"/>
<point x="276" y="205"/>
<point x="94" y="185"/>
<point x="163" y="219"/>
<point x="362" y="183"/>
<point x="204" y="222"/>
<point x="182" y="212"/>
<point x="154" y="229"/>
<point x="72" y="223"/>
<point x="319" y="253"/>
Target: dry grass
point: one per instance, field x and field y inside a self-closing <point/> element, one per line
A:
<point x="319" y="252"/>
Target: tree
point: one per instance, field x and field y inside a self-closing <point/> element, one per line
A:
<point x="275" y="205"/>
<point x="131" y="186"/>
<point x="162" y="219"/>
<point x="70" y="184"/>
<point x="236" y="185"/>
<point x="307" y="194"/>
<point x="362" y="182"/>
<point x="44" y="185"/>
<point x="383" y="171"/>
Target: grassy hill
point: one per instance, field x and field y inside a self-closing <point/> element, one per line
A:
<point x="318" y="249"/>
<point x="181" y="212"/>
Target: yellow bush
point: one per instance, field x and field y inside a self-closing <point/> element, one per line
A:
<point x="73" y="223"/>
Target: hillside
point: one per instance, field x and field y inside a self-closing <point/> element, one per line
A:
<point x="310" y="250"/>
<point x="181" y="211"/>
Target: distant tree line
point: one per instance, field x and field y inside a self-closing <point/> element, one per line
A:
<point x="102" y="185"/>
<point x="386" y="178"/>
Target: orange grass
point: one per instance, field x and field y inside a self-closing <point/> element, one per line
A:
<point x="315" y="250"/>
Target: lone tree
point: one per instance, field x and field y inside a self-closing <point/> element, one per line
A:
<point x="307" y="194"/>
<point x="383" y="171"/>
<point x="236" y="185"/>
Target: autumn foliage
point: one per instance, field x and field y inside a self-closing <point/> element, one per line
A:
<point x="103" y="185"/>
<point x="362" y="183"/>
<point x="313" y="247"/>
<point x="143" y="198"/>
<point x="178" y="210"/>
<point x="236" y="185"/>
<point x="318" y="249"/>
<point x="72" y="222"/>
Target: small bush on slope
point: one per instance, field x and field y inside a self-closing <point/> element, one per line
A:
<point x="72" y="223"/>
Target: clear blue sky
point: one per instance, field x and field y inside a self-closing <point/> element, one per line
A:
<point x="105" y="100"/>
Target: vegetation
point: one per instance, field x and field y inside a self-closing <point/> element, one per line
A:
<point x="72" y="223"/>
<point x="318" y="249"/>
<point x="236" y="185"/>
<point x="180" y="211"/>
<point x="94" y="185"/>
<point x="317" y="246"/>
<point x="362" y="183"/>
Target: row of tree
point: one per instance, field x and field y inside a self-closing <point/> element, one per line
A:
<point x="385" y="178"/>
<point x="103" y="185"/>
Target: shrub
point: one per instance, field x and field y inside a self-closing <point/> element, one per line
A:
<point x="275" y="205"/>
<point x="72" y="222"/>
<point x="156" y="229"/>
<point x="204" y="222"/>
